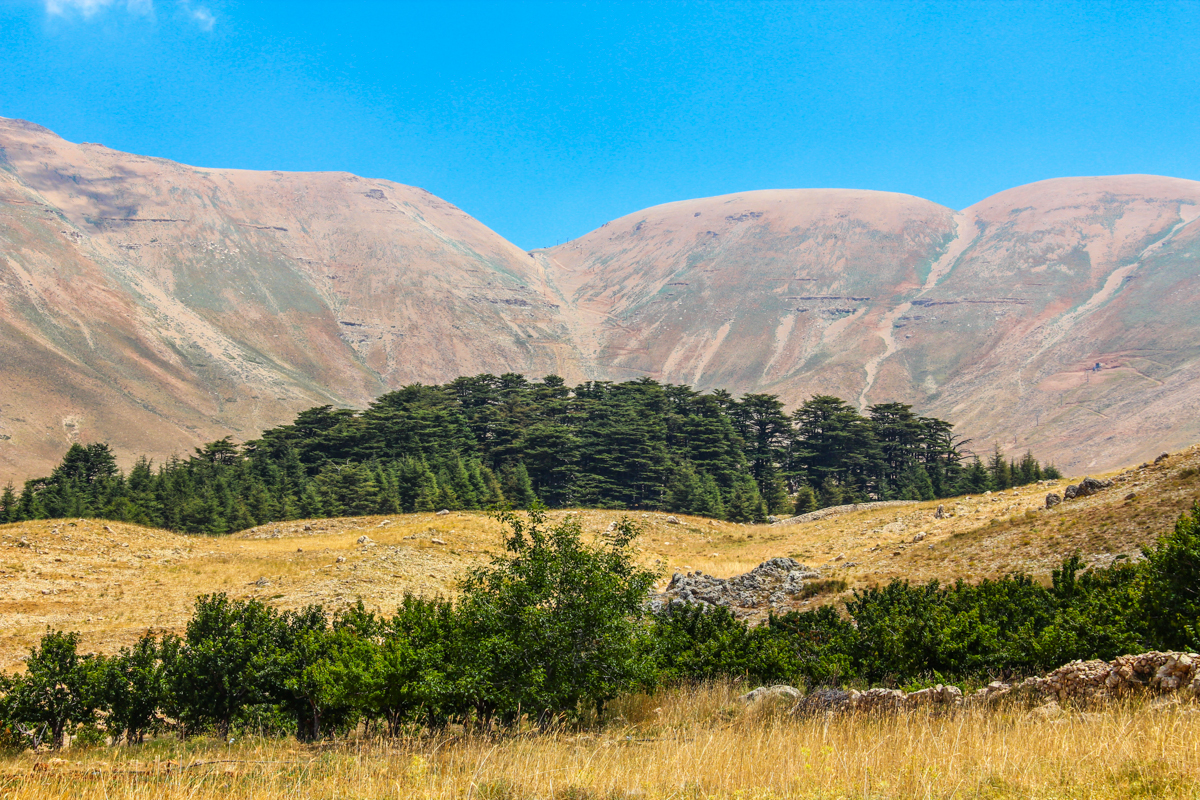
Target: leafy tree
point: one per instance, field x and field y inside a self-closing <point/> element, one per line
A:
<point x="58" y="688"/>
<point x="558" y="617"/>
<point x="228" y="660"/>
<point x="133" y="687"/>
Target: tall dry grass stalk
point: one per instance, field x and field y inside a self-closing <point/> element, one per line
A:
<point x="691" y="744"/>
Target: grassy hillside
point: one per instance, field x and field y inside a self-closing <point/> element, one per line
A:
<point x="111" y="581"/>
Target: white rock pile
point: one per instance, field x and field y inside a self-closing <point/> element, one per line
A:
<point x="771" y="584"/>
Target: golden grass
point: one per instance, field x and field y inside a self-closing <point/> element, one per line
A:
<point x="112" y="581"/>
<point x="684" y="744"/>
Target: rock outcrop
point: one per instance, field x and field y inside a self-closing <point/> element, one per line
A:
<point x="770" y="585"/>
<point x="1085" y="488"/>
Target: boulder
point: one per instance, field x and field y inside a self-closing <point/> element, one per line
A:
<point x="1086" y="488"/>
<point x="940" y="513"/>
<point x="1053" y="499"/>
<point x="443" y="512"/>
<point x="672" y="520"/>
<point x="825" y="701"/>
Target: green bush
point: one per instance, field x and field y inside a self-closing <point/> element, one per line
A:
<point x="555" y="621"/>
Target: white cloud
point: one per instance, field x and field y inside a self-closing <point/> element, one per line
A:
<point x="88" y="8"/>
<point x="199" y="15"/>
<point x="202" y="17"/>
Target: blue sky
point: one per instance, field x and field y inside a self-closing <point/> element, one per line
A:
<point x="545" y="120"/>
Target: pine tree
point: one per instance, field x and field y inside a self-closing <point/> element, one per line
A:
<point x="776" y="498"/>
<point x="999" y="475"/>
<point x="427" y="492"/>
<point x="708" y="501"/>
<point x="311" y="505"/>
<point x="459" y="483"/>
<point x="682" y="489"/>
<point x="975" y="479"/>
<point x="806" y="500"/>
<point x="518" y="488"/>
<point x="831" y="493"/>
<point x="8" y="505"/>
<point x="745" y="503"/>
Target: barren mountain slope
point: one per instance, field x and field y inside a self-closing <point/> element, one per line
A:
<point x="157" y="306"/>
<point x="986" y="317"/>
<point x="768" y="290"/>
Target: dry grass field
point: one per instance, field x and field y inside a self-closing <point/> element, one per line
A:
<point x="112" y="581"/>
<point x="693" y="744"/>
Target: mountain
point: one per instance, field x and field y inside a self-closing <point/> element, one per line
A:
<point x="158" y="306"/>
<point x="994" y="317"/>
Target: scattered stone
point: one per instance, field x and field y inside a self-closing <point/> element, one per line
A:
<point x="920" y="536"/>
<point x="308" y="527"/>
<point x="672" y="520"/>
<point x="777" y="692"/>
<point x="262" y="582"/>
<point x="436" y="540"/>
<point x="364" y="540"/>
<point x="1052" y="500"/>
<point x="1162" y="458"/>
<point x="1130" y="496"/>
<point x="341" y="559"/>
<point x="443" y="512"/>
<point x="23" y="542"/>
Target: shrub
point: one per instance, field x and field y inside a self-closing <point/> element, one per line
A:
<point x="1170" y="598"/>
<point x="556" y="621"/>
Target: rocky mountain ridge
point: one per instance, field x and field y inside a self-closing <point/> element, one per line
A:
<point x="157" y="306"/>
